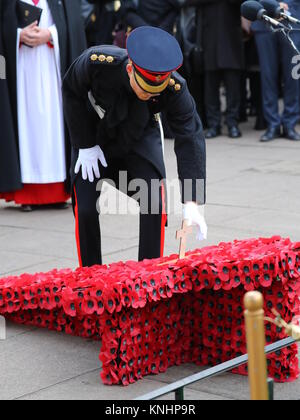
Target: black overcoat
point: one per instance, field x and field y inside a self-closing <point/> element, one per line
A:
<point x="67" y="17"/>
<point x="222" y="34"/>
<point x="100" y="30"/>
<point x="160" y="13"/>
<point x="128" y="124"/>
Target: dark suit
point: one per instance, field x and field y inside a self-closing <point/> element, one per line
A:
<point x="276" y="54"/>
<point x="130" y="140"/>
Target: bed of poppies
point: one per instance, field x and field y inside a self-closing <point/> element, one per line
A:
<point x="160" y="313"/>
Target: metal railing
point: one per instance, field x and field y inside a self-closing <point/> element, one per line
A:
<point x="178" y="387"/>
<point x="261" y="387"/>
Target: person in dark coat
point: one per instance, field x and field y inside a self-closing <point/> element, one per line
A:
<point x="9" y="158"/>
<point x="102" y="22"/>
<point x="160" y="13"/>
<point x="251" y="100"/>
<point x="112" y="103"/>
<point x="56" y="43"/>
<point x="275" y="57"/>
<point x="223" y="61"/>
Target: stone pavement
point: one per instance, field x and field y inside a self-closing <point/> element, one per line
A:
<point x="253" y="190"/>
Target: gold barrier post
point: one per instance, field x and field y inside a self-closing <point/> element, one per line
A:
<point x="256" y="341"/>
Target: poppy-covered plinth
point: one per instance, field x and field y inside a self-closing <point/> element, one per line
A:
<point x="159" y="313"/>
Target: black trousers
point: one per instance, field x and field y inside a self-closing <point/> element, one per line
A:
<point x="232" y="80"/>
<point x="152" y="215"/>
<point x="197" y="88"/>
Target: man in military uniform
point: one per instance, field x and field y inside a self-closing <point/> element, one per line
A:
<point x="111" y="96"/>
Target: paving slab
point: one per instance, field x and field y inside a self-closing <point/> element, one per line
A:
<point x="44" y="219"/>
<point x="253" y="190"/>
<point x="10" y="261"/>
<point x="39" y="359"/>
<point x="47" y="266"/>
<point x="86" y="387"/>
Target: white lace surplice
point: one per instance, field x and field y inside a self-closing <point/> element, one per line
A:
<point x="40" y="110"/>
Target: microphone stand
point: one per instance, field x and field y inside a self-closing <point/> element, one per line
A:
<point x="288" y="37"/>
<point x="286" y="32"/>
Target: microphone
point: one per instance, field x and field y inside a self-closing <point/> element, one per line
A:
<point x="253" y="10"/>
<point x="274" y="10"/>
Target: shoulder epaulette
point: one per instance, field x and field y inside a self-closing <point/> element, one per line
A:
<point x="109" y="55"/>
<point x="103" y="59"/>
<point x="175" y="85"/>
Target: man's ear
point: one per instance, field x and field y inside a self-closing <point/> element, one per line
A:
<point x="129" y="69"/>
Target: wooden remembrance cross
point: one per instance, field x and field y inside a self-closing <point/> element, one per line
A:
<point x="182" y="236"/>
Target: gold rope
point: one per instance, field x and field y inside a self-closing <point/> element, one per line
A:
<point x="291" y="330"/>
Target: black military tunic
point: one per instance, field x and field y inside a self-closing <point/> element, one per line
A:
<point x="130" y="139"/>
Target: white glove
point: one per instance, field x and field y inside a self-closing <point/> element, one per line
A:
<point x="88" y="162"/>
<point x="192" y="215"/>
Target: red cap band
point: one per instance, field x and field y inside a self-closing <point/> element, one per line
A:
<point x="153" y="77"/>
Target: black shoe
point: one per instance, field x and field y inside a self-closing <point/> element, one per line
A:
<point x="60" y="206"/>
<point x="27" y="209"/>
<point x="234" y="132"/>
<point x="213" y="132"/>
<point x="291" y="134"/>
<point x="272" y="133"/>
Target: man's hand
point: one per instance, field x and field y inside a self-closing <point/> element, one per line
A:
<point x="88" y="162"/>
<point x="192" y="214"/>
<point x="284" y="6"/>
<point x="33" y="35"/>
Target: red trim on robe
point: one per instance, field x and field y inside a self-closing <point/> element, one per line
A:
<point x="38" y="194"/>
<point x="164" y="219"/>
<point x="77" y="230"/>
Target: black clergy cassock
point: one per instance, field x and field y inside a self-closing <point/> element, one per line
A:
<point x="130" y="139"/>
<point x="9" y="160"/>
<point x="67" y="18"/>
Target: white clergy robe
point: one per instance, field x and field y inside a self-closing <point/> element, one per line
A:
<point x="40" y="109"/>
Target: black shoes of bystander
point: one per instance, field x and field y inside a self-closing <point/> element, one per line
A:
<point x="291" y="134"/>
<point x="271" y="134"/>
<point x="234" y="132"/>
<point x="213" y="132"/>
